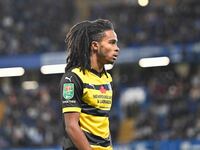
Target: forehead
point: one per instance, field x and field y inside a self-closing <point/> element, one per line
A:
<point x="109" y="35"/>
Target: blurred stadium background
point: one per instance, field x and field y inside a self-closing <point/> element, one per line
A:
<point x="156" y="106"/>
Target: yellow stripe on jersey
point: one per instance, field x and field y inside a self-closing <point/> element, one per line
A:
<point x="92" y="77"/>
<point x="71" y="109"/>
<point x="95" y="147"/>
<point x="95" y="125"/>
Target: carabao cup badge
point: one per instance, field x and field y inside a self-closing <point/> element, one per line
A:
<point x="68" y="90"/>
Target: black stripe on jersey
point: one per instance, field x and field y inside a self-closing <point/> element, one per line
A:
<point x="97" y="140"/>
<point x="87" y="109"/>
<point x="97" y="87"/>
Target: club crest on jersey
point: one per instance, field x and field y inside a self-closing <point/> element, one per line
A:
<point x="68" y="90"/>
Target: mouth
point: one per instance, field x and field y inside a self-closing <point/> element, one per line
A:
<point x="115" y="57"/>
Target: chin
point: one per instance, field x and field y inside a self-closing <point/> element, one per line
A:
<point x="111" y="62"/>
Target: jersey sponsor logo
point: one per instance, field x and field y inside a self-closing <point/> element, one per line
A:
<point x="68" y="90"/>
<point x="104" y="101"/>
<point x="102" y="96"/>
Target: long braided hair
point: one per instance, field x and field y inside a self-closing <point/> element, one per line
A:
<point x="78" y="41"/>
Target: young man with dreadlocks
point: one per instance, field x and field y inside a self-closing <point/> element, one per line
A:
<point x="86" y="90"/>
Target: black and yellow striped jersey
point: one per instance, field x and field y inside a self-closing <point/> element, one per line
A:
<point x="89" y="93"/>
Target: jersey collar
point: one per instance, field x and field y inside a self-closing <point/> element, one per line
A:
<point x="99" y="74"/>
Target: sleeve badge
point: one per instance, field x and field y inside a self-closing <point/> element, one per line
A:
<point x="68" y="90"/>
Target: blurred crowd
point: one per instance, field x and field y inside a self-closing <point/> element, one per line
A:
<point x="30" y="117"/>
<point x="29" y="26"/>
<point x="171" y="23"/>
<point x="171" y="107"/>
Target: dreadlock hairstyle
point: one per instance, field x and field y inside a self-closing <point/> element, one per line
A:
<point x="78" y="41"/>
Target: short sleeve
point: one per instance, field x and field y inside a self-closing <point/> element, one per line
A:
<point x="71" y="89"/>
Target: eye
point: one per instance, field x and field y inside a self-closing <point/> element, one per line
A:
<point x="113" y="42"/>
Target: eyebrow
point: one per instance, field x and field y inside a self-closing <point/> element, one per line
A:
<point x="113" y="40"/>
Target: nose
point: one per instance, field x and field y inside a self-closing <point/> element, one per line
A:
<point x="117" y="49"/>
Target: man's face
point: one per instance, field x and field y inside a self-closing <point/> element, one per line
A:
<point x="107" y="48"/>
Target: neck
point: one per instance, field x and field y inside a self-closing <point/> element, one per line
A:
<point x="96" y="65"/>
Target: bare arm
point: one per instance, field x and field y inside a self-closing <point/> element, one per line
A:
<point x="74" y="131"/>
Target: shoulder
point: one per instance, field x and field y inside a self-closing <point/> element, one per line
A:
<point x="70" y="77"/>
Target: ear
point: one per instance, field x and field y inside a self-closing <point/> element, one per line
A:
<point x="94" y="46"/>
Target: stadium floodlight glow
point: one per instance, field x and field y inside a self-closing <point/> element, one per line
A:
<point x="30" y="85"/>
<point x="60" y="68"/>
<point x="154" y="62"/>
<point x="53" y="69"/>
<point x="143" y="3"/>
<point x="12" y="72"/>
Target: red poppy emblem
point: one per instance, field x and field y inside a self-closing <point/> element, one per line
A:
<point x="102" y="89"/>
